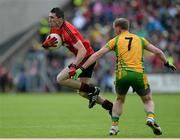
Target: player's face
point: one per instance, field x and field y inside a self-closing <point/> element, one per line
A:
<point x="54" y="21"/>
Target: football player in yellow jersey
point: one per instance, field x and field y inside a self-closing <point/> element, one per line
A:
<point x="129" y="49"/>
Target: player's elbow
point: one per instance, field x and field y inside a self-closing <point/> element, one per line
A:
<point x="158" y="52"/>
<point x="83" y="51"/>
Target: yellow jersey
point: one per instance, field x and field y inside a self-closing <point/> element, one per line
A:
<point x="129" y="49"/>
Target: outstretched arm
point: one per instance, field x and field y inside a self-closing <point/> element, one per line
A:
<point x="157" y="52"/>
<point x="161" y="55"/>
<point x="90" y="61"/>
<point x="95" y="57"/>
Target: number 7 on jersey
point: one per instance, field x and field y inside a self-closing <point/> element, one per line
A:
<point x="130" y="41"/>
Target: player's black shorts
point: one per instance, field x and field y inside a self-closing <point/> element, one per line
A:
<point x="88" y="72"/>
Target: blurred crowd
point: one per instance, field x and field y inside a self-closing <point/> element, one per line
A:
<point x="158" y="21"/>
<point x="155" y="20"/>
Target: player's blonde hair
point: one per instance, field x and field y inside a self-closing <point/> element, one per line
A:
<point x="123" y="23"/>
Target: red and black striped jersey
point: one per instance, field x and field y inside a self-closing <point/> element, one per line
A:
<point x="70" y="35"/>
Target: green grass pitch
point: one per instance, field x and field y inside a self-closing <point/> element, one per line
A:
<point x="67" y="115"/>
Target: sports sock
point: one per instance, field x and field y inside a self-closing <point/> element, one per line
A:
<point x="86" y="88"/>
<point x="107" y="105"/>
<point x="115" y="120"/>
<point x="150" y="115"/>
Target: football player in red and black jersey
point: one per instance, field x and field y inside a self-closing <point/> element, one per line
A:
<point x="82" y="50"/>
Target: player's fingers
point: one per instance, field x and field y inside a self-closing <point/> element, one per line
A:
<point x="74" y="78"/>
<point x="55" y="42"/>
<point x="173" y="67"/>
<point x="54" y="39"/>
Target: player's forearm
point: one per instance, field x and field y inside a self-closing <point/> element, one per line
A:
<point x="91" y="60"/>
<point x="95" y="57"/>
<point x="80" y="56"/>
<point x="161" y="55"/>
<point x="157" y="52"/>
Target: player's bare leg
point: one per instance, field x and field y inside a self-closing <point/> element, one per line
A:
<point x="149" y="108"/>
<point x="118" y="105"/>
<point x="116" y="112"/>
<point x="148" y="102"/>
<point x="92" y="91"/>
<point x="63" y="79"/>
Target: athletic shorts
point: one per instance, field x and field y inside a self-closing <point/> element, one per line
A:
<point x="88" y="72"/>
<point x="138" y="81"/>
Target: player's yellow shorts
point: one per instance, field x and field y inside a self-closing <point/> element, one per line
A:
<point x="138" y="81"/>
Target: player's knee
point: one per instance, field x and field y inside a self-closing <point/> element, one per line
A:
<point x="59" y="79"/>
<point x="121" y="99"/>
<point x="147" y="98"/>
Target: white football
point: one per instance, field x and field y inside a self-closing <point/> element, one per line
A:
<point x="59" y="41"/>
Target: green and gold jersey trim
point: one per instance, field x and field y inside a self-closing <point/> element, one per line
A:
<point x="143" y="46"/>
<point x="117" y="56"/>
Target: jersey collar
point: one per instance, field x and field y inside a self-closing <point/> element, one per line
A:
<point x="124" y="32"/>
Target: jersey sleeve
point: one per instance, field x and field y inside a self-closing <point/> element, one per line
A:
<point x="110" y="44"/>
<point x="145" y="42"/>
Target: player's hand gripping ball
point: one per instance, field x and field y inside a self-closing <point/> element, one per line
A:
<point x="52" y="42"/>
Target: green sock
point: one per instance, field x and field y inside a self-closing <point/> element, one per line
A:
<point x="115" y="120"/>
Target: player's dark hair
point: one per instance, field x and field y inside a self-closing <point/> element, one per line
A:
<point x="122" y="23"/>
<point x="59" y="13"/>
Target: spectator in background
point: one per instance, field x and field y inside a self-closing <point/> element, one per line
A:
<point x="107" y="81"/>
<point x="77" y="3"/>
<point x="79" y="20"/>
<point x="21" y="81"/>
<point x="3" y="79"/>
<point x="43" y="29"/>
<point x="6" y="80"/>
